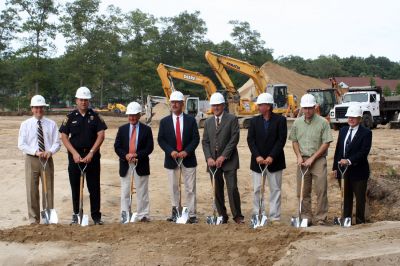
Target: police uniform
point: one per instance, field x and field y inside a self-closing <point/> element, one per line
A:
<point x="82" y="132"/>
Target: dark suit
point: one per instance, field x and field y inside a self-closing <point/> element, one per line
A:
<point x="222" y="141"/>
<point x="358" y="172"/>
<point x="267" y="143"/>
<point x="190" y="140"/>
<point x="144" y="148"/>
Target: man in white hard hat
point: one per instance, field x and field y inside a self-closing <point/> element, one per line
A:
<point x="311" y="136"/>
<point x="220" y="140"/>
<point x="178" y="137"/>
<point x="266" y="138"/>
<point x="352" y="149"/>
<point x="134" y="144"/>
<point x="82" y="133"/>
<point x="39" y="141"/>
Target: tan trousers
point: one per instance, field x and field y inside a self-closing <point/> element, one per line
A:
<point x="33" y="172"/>
<point x="317" y="173"/>
<point x="189" y="181"/>
<point x="142" y="194"/>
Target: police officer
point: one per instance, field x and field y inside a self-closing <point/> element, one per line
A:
<point x="82" y="133"/>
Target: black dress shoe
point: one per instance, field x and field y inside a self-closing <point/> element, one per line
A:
<point x="239" y="220"/>
<point x="145" y="220"/>
<point x="225" y="219"/>
<point x="173" y="215"/>
<point x="75" y="219"/>
<point x="98" y="222"/>
<point x="193" y="220"/>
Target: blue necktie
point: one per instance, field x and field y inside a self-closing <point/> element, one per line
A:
<point x="348" y="141"/>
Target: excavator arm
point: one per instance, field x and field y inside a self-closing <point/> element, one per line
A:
<point x="218" y="64"/>
<point x="167" y="73"/>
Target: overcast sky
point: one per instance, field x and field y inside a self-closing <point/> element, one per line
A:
<point x="306" y="28"/>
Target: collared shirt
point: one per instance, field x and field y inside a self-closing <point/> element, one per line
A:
<point x="311" y="134"/>
<point x="174" y="116"/>
<point x="266" y="124"/>
<point x="28" y="139"/>
<point x="83" y="129"/>
<point x="353" y="133"/>
<point x="220" y="118"/>
<point x="137" y="132"/>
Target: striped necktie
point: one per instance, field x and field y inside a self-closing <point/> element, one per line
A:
<point x="40" y="137"/>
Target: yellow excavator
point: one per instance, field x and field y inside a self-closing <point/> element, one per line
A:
<point x="192" y="104"/>
<point x="285" y="103"/>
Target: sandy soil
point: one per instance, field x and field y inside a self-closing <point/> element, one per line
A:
<point x="161" y="243"/>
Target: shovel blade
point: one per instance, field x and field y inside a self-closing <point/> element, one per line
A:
<point x="45" y="217"/>
<point x="133" y="217"/>
<point x="258" y="221"/>
<point x="347" y="222"/>
<point x="214" y="220"/>
<point x="53" y="216"/>
<point x="183" y="217"/>
<point x="84" y="221"/>
<point x="295" y="222"/>
<point x="304" y="223"/>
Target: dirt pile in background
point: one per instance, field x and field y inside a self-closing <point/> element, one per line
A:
<point x="275" y="74"/>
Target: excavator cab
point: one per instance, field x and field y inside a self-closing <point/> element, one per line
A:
<point x="192" y="106"/>
<point x="280" y="94"/>
<point x="326" y="100"/>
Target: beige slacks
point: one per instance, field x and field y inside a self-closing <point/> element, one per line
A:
<point x="33" y="172"/>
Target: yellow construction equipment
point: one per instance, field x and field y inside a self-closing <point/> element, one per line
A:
<point x="116" y="107"/>
<point x="285" y="103"/>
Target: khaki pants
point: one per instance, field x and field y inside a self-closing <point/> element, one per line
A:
<point x="142" y="194"/>
<point x="189" y="180"/>
<point x="275" y="184"/>
<point x="317" y="173"/>
<point x="33" y="172"/>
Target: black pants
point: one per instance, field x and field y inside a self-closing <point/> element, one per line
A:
<point x="358" y="188"/>
<point x="93" y="184"/>
<point x="233" y="193"/>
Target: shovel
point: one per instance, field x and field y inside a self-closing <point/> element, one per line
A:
<point x="214" y="219"/>
<point x="182" y="213"/>
<point x="260" y="219"/>
<point x="297" y="221"/>
<point x="83" y="219"/>
<point x="343" y="221"/>
<point x="49" y="216"/>
<point x="131" y="217"/>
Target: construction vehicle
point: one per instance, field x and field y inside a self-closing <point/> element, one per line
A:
<point x="326" y="100"/>
<point x="192" y="104"/>
<point x="376" y="108"/>
<point x="284" y="102"/>
<point x="118" y="108"/>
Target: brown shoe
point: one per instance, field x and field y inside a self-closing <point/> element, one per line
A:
<point x="239" y="220"/>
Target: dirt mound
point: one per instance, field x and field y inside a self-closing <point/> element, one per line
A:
<point x="199" y="243"/>
<point x="275" y="74"/>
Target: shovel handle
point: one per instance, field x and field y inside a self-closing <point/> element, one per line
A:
<point x="82" y="180"/>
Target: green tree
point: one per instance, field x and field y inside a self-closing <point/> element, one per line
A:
<point x="387" y="91"/>
<point x="398" y="89"/>
<point x="40" y="32"/>
<point x="372" y="82"/>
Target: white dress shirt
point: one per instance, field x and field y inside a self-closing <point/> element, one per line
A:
<point x="174" y="116"/>
<point x="220" y="118"/>
<point x="28" y="140"/>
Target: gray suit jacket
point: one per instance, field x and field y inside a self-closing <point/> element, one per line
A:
<point x="227" y="137"/>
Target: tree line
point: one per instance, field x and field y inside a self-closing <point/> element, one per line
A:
<point x="115" y="53"/>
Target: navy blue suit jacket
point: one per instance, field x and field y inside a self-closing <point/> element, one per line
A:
<point x="270" y="143"/>
<point x="144" y="148"/>
<point x="190" y="140"/>
<point x="357" y="152"/>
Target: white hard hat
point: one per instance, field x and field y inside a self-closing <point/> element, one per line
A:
<point x="177" y="96"/>
<point x="265" y="98"/>
<point x="217" y="98"/>
<point x="83" y="93"/>
<point x="133" y="108"/>
<point x="308" y="100"/>
<point x="354" y="111"/>
<point x="38" y="100"/>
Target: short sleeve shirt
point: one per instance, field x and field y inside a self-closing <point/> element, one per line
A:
<point x="82" y="130"/>
<point x="310" y="135"/>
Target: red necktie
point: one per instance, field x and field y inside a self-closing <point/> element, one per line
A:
<point x="178" y="135"/>
<point x="132" y="143"/>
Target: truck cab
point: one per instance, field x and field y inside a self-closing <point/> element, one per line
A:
<point x="369" y="100"/>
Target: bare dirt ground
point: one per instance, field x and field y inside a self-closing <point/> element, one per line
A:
<point x="162" y="243"/>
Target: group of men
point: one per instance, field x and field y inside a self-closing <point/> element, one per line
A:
<point x="83" y="131"/>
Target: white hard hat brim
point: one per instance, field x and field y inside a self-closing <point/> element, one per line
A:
<point x="40" y="105"/>
<point x="307" y="105"/>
